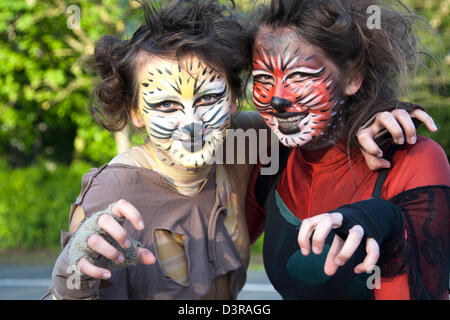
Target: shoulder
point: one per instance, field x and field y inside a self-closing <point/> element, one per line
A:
<point x="424" y="163"/>
<point x="247" y="120"/>
<point x="137" y="156"/>
<point x="424" y="147"/>
<point x="425" y="152"/>
<point x="108" y="184"/>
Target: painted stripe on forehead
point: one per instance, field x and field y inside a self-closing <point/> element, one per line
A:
<point x="197" y="88"/>
<point x="282" y="62"/>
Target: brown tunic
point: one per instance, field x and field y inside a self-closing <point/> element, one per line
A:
<point x="216" y="262"/>
<point x="209" y="249"/>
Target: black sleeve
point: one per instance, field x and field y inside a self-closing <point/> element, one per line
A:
<point x="380" y="219"/>
<point x="413" y="232"/>
<point x="426" y="256"/>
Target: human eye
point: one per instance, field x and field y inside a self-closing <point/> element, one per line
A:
<point x="168" y="106"/>
<point x="298" y="76"/>
<point x="209" y="99"/>
<point x="263" y="78"/>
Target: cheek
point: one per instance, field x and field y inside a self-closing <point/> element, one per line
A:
<point x="163" y="126"/>
<point x="321" y="120"/>
<point x="316" y="97"/>
<point x="262" y="94"/>
<point x="216" y="116"/>
<point x="226" y="105"/>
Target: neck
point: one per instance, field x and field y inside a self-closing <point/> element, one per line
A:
<point x="174" y="172"/>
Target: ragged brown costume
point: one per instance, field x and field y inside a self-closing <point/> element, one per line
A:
<point x="217" y="260"/>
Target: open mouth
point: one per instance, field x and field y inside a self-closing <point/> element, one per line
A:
<point x="290" y="125"/>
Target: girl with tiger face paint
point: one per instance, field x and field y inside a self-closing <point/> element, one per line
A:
<point x="320" y="73"/>
<point x="179" y="78"/>
<point x="186" y="108"/>
<point x="295" y="90"/>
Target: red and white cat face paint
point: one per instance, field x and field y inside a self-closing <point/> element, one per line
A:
<point x="295" y="90"/>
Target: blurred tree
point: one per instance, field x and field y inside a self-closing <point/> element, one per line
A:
<point x="430" y="87"/>
<point x="44" y="90"/>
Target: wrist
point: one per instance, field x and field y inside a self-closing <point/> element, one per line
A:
<point x="379" y="218"/>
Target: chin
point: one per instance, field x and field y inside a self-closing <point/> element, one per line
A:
<point x="294" y="137"/>
<point x="292" y="129"/>
<point x="200" y="158"/>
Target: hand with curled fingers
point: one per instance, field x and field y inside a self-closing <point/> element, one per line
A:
<point x="373" y="221"/>
<point x="399" y="123"/>
<point x="102" y="244"/>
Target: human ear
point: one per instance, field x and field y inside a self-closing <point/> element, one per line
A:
<point x="353" y="84"/>
<point x="136" y="119"/>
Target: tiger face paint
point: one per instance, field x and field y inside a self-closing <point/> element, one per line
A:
<point x="186" y="109"/>
<point x="295" y="90"/>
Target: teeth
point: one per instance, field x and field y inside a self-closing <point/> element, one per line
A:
<point x="290" y="122"/>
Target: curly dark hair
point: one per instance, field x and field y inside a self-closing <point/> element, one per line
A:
<point x="383" y="56"/>
<point x="204" y="28"/>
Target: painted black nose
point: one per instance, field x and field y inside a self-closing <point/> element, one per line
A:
<point x="280" y="104"/>
<point x="193" y="129"/>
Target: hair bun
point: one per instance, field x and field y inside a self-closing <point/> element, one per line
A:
<point x="107" y="52"/>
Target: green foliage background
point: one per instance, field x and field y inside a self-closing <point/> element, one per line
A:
<point x="47" y="136"/>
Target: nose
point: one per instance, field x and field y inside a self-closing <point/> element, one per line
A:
<point x="280" y="104"/>
<point x="193" y="129"/>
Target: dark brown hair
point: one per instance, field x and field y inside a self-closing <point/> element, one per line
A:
<point x="340" y="28"/>
<point x="205" y="28"/>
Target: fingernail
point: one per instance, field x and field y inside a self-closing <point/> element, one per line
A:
<point x="316" y="250"/>
<point x="141" y="225"/>
<point x="401" y="141"/>
<point x="338" y="261"/>
<point x="127" y="244"/>
<point x="380" y="155"/>
<point x="304" y="251"/>
<point x="435" y="127"/>
<point x="120" y="259"/>
<point x="106" y="276"/>
<point x="413" y="140"/>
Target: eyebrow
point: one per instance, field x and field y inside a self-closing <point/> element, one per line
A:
<point x="308" y="70"/>
<point x="262" y="71"/>
<point x="160" y="97"/>
<point x="212" y="89"/>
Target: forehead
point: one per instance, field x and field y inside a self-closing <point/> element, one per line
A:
<point x="286" y="41"/>
<point x="192" y="67"/>
<point x="188" y="77"/>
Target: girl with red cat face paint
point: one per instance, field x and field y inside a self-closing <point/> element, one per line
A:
<point x="319" y="74"/>
<point x="296" y="91"/>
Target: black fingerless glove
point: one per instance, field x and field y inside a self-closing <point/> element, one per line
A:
<point x="380" y="219"/>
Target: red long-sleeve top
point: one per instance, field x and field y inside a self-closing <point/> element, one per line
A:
<point x="317" y="182"/>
